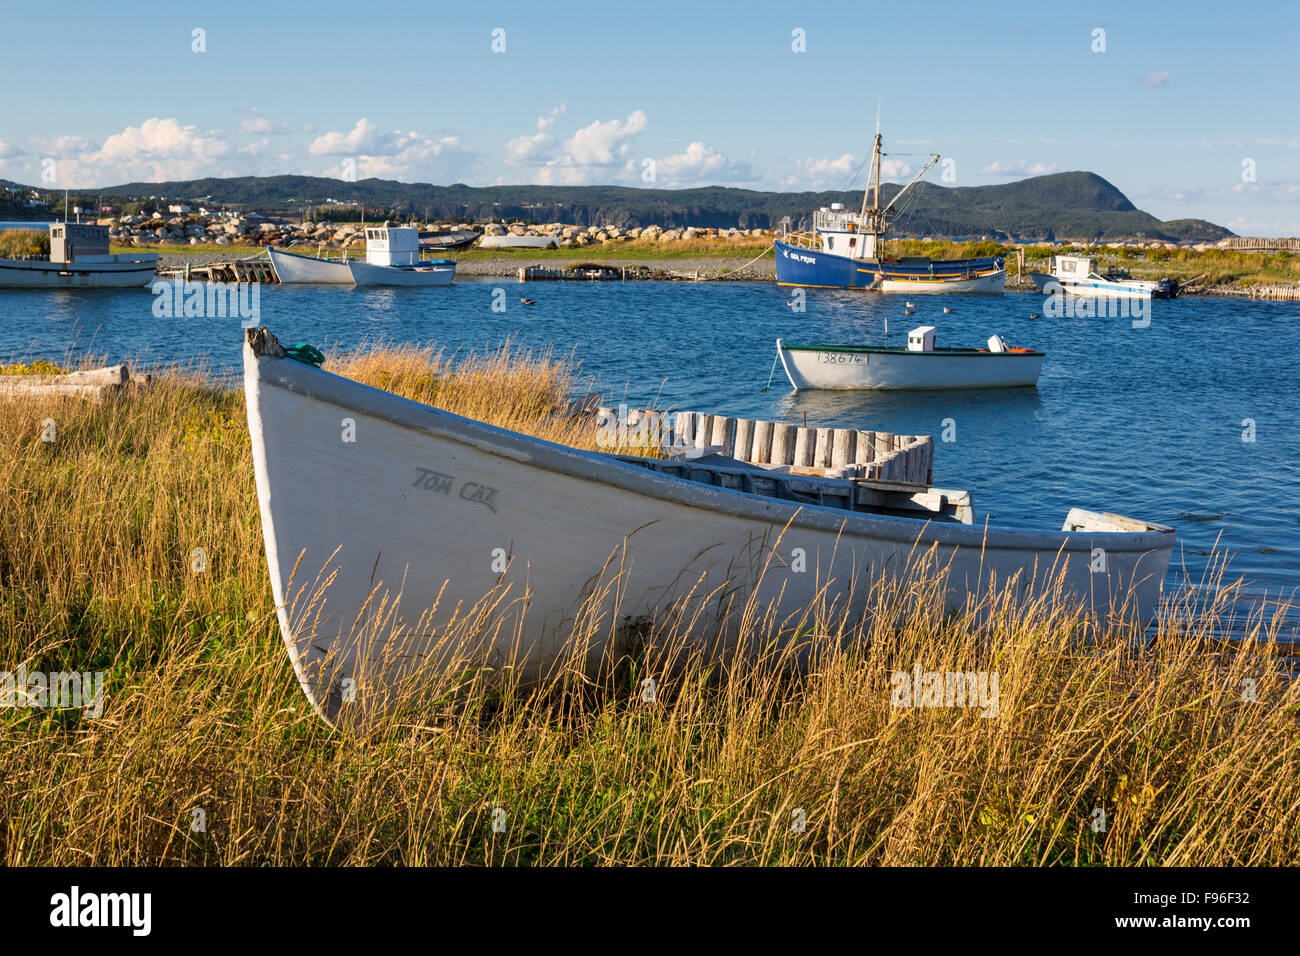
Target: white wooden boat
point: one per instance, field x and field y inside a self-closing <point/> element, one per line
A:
<point x="969" y="280"/>
<point x="79" y="259"/>
<point x="1078" y="275"/>
<point x="436" y="511"/>
<point x="292" y="267"/>
<point x="509" y="241"/>
<point x="920" y="365"/>
<point x="427" y="272"/>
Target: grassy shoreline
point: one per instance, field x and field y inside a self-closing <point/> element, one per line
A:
<point x="202" y="710"/>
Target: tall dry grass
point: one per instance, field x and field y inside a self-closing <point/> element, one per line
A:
<point x="203" y="713"/>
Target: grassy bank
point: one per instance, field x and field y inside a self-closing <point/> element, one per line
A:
<point x="202" y="711"/>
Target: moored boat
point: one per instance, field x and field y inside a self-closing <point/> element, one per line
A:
<point x="79" y="259"/>
<point x="845" y="251"/>
<point x="377" y="546"/>
<point x="1078" y="275"/>
<point x="919" y="366"/>
<point x="427" y="272"/>
<point x="290" y="267"/>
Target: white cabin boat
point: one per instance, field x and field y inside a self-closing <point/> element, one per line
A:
<point x="392" y="258"/>
<point x="1078" y="275"/>
<point x="433" y="513"/>
<point x="947" y="279"/>
<point x="79" y="259"/>
<point x="920" y="365"/>
<point x="510" y="241"/>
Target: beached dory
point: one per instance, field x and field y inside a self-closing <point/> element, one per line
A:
<point x="388" y="495"/>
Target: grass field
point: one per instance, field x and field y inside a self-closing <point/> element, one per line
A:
<point x="1104" y="754"/>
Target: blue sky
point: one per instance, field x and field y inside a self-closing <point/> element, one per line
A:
<point x="1181" y="97"/>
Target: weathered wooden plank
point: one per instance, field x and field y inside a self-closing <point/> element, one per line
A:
<point x="723" y="433"/>
<point x="844" y="447"/>
<point x="703" y="429"/>
<point x="866" y="451"/>
<point x="761" y="451"/>
<point x="744" y="443"/>
<point x="783" y="444"/>
<point x="825" y="444"/>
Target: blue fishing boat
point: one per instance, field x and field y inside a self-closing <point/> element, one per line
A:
<point x="845" y="251"/>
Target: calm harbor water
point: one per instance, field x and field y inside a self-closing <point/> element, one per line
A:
<point x="1147" y="422"/>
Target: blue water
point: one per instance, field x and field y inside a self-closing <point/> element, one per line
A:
<point x="1146" y="422"/>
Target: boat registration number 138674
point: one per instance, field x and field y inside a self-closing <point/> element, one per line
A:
<point x="841" y="358"/>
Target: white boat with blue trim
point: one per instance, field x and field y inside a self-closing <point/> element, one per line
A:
<point x="392" y="258"/>
<point x="1078" y="275"/>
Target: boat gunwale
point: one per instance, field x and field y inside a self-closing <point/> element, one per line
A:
<point x="902" y="350"/>
<point x="320" y="385"/>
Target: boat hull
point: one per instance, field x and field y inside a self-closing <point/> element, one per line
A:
<point x="991" y="283"/>
<point x="290" y="267"/>
<point x="811" y="268"/>
<point x="445" y="510"/>
<point x="1094" y="288"/>
<point x="93" y="272"/>
<point x="365" y="274"/>
<point x="831" y="367"/>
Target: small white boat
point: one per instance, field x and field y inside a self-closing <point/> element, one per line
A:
<point x="918" y="366"/>
<point x="427" y="272"/>
<point x="437" y="512"/>
<point x="79" y="259"/>
<point x="965" y="280"/>
<point x="292" y="267"/>
<point x="518" y="242"/>
<point x="1078" y="275"/>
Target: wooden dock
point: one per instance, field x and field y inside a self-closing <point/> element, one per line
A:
<point x="256" y="269"/>
<point x="1281" y="293"/>
<point x="598" y="272"/>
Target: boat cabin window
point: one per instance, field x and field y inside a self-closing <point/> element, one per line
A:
<point x="830" y="242"/>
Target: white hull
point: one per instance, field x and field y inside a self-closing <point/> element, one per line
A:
<point x="991" y="283"/>
<point x="364" y="274"/>
<point x="518" y="242"/>
<point x="123" y="271"/>
<point x="291" y="267"/>
<point x="1094" y="288"/>
<point x="424" y="502"/>
<point x="832" y="368"/>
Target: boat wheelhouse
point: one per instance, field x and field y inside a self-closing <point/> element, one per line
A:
<point x="392" y="258"/>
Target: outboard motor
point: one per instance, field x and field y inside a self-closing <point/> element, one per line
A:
<point x="998" y="344"/>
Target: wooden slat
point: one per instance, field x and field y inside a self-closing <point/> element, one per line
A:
<point x="783" y="444"/>
<point x="825" y="444"/>
<point x="723" y="433"/>
<point x="760" y="453"/>
<point x="703" y="428"/>
<point x="744" y="439"/>
<point x="844" y="446"/>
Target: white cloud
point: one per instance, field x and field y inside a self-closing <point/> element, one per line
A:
<point x="158" y="149"/>
<point x="9" y="150"/>
<point x="1158" y="78"/>
<point x="259" y="124"/>
<point x="1022" y="168"/>
<point x="536" y="149"/>
<point x="360" y="139"/>
<point x="600" y="143"/>
<point x="700" y="165"/>
<point x="546" y="122"/>
<point x="839" y="172"/>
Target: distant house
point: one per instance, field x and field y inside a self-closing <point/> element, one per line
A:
<point x="179" y="208"/>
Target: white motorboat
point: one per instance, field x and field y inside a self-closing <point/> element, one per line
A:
<point x="510" y="241"/>
<point x="79" y="259"/>
<point x="427" y="272"/>
<point x="1078" y="275"/>
<point x="377" y="546"/>
<point x="947" y="279"/>
<point x="919" y="365"/>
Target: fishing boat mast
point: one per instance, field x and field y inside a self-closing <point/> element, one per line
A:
<point x="873" y="217"/>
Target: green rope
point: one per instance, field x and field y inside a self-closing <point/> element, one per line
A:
<point x="307" y="354"/>
<point x="768" y="386"/>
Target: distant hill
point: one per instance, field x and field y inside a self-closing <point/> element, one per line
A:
<point x="1074" y="205"/>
